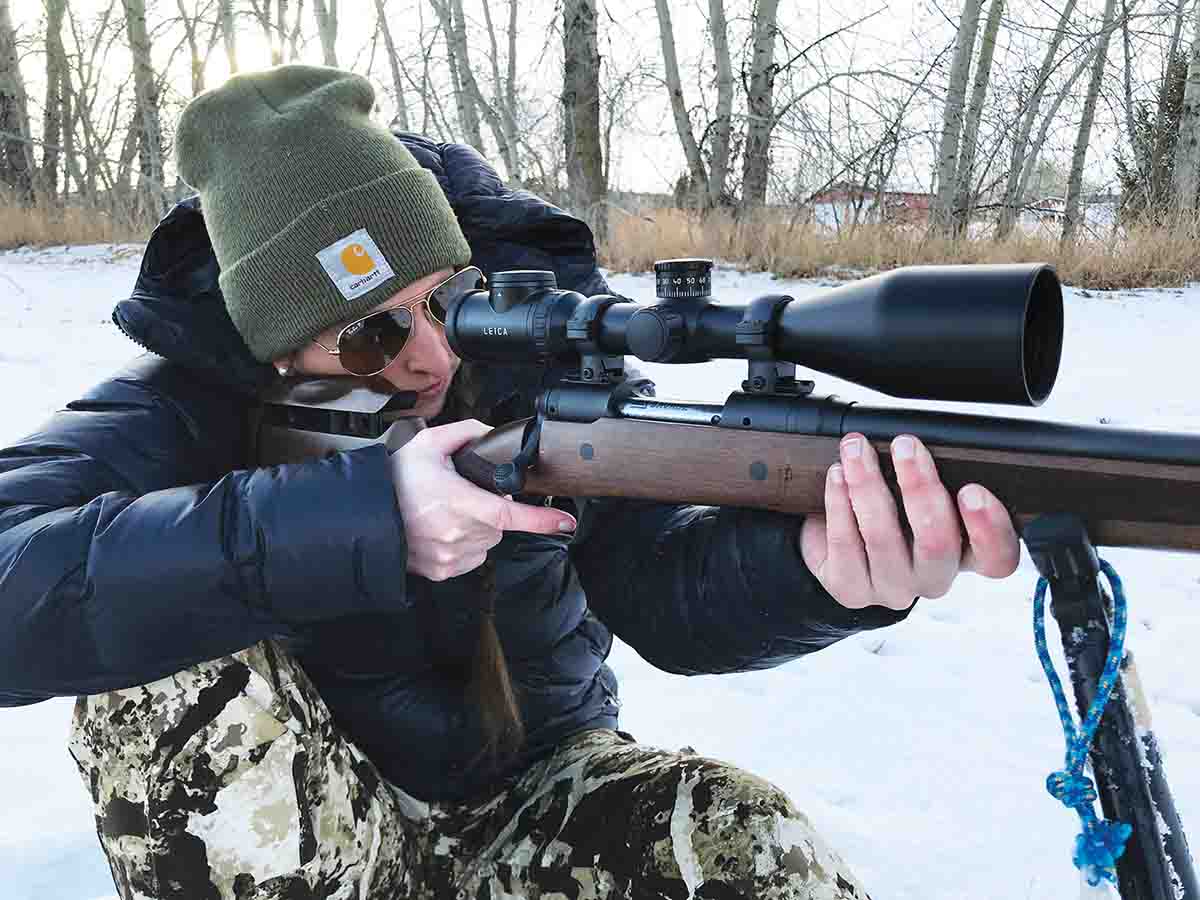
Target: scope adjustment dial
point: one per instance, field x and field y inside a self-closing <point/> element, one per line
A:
<point x="656" y="334"/>
<point x="683" y="279"/>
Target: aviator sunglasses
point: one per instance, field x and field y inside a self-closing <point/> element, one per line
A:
<point x="369" y="345"/>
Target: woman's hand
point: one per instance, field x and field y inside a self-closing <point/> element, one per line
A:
<point x="859" y="552"/>
<point x="450" y="524"/>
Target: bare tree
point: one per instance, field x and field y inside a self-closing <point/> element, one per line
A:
<point x="581" y="114"/>
<point x="326" y="13"/>
<point x="943" y="215"/>
<point x="462" y="79"/>
<point x="501" y="111"/>
<point x="52" y="109"/>
<point x="199" y="48"/>
<point x="401" y="118"/>
<point x="1186" y="175"/>
<point x="283" y="44"/>
<point x="147" y="95"/>
<point x="760" y="106"/>
<point x="1021" y="149"/>
<point x="965" y="173"/>
<point x="228" y="33"/>
<point x="16" y="157"/>
<point x="96" y="128"/>
<point x="1026" y="172"/>
<point x="683" y="122"/>
<point x="722" y="125"/>
<point x="1075" y="182"/>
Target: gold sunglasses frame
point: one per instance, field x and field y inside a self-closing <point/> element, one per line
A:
<point x="411" y="305"/>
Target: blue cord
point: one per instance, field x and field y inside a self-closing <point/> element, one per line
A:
<point x="1101" y="842"/>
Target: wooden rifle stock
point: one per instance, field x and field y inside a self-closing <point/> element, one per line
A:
<point x="1123" y="503"/>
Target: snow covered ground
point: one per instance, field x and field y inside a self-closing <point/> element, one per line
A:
<point x="921" y="752"/>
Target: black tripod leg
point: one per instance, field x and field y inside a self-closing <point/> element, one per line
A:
<point x="1130" y="780"/>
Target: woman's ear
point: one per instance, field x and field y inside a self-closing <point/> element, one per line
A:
<point x="284" y="366"/>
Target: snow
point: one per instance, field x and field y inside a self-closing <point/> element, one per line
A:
<point x="920" y="752"/>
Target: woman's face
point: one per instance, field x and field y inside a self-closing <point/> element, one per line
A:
<point x="426" y="365"/>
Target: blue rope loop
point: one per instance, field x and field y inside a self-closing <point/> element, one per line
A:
<point x="1101" y="842"/>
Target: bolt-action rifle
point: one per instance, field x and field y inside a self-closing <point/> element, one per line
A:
<point x="989" y="334"/>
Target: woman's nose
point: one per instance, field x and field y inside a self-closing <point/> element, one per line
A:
<point x="427" y="350"/>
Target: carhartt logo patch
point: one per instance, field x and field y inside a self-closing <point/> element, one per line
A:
<point x="355" y="264"/>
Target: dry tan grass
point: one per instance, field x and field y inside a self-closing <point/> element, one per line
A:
<point x="1167" y="255"/>
<point x="49" y="226"/>
<point x="1142" y="257"/>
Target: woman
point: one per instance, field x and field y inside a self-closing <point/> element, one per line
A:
<point x="299" y="680"/>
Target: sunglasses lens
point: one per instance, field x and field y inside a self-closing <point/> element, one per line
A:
<point x="369" y="346"/>
<point x="462" y="283"/>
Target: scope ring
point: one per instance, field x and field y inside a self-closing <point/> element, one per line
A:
<point x="757" y="327"/>
<point x="582" y="324"/>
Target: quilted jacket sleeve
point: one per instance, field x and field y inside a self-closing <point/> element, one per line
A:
<point x="700" y="590"/>
<point x="130" y="547"/>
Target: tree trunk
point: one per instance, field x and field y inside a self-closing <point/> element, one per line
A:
<point x="500" y="115"/>
<point x="326" y="13"/>
<point x="581" y="114"/>
<point x="146" y="91"/>
<point x="1186" y="174"/>
<point x="52" y="109"/>
<point x="1035" y="148"/>
<point x="760" y="107"/>
<point x="1165" y="127"/>
<point x="294" y="40"/>
<point x="123" y="190"/>
<point x="683" y="123"/>
<point x="229" y="34"/>
<point x="281" y="20"/>
<point x="964" y="192"/>
<point x="943" y="215"/>
<point x="87" y="65"/>
<point x="16" y="155"/>
<point x="455" y="26"/>
<point x="190" y="25"/>
<point x="509" y="106"/>
<point x="70" y="163"/>
<point x="401" y="119"/>
<point x="1021" y="149"/>
<point x="1075" y="182"/>
<point x="722" y="127"/>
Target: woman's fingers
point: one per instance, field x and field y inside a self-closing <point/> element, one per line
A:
<point x="859" y="550"/>
<point x="932" y="515"/>
<point x="888" y="568"/>
<point x="994" y="548"/>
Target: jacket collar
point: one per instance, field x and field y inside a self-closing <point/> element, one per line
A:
<point x="177" y="311"/>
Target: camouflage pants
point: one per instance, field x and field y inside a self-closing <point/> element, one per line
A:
<point x="228" y="780"/>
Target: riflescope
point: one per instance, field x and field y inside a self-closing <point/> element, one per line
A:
<point x="976" y="333"/>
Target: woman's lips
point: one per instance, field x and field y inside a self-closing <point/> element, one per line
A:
<point x="434" y="389"/>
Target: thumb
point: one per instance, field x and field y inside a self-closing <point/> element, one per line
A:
<point x="449" y="439"/>
<point x="508" y="515"/>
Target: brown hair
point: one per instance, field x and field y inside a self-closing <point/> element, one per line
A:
<point x="491" y="688"/>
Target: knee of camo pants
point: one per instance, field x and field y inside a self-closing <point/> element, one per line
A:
<point x="227" y="781"/>
<point x="606" y="817"/>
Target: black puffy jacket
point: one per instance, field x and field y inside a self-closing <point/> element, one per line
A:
<point x="136" y="541"/>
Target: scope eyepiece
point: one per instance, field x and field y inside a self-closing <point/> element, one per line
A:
<point x="516" y="286"/>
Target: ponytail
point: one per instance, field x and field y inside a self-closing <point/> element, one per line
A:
<point x="491" y="686"/>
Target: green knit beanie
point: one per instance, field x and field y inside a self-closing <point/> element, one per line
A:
<point x="315" y="212"/>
